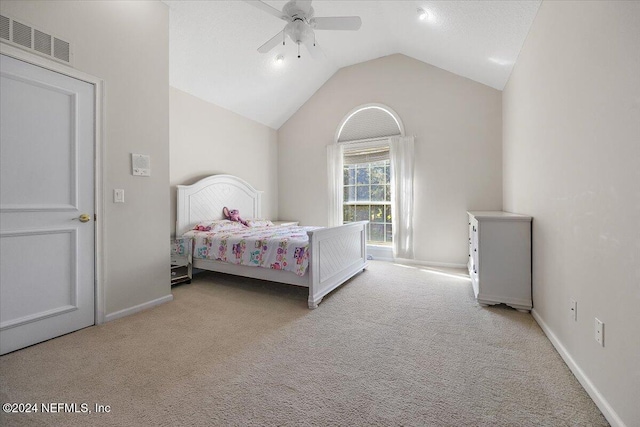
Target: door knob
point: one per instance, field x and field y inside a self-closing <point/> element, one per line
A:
<point x="84" y="218"/>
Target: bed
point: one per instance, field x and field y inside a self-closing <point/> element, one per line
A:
<point x="334" y="254"/>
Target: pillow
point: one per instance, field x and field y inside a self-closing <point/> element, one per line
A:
<point x="218" y="225"/>
<point x="258" y="222"/>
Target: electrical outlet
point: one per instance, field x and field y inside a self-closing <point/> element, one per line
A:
<point x="599" y="332"/>
<point x="573" y="309"/>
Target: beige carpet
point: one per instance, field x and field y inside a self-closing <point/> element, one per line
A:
<point x="394" y="346"/>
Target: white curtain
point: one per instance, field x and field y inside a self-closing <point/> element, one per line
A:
<point x="401" y="159"/>
<point x="335" y="160"/>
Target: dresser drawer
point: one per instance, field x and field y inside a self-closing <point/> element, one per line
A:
<point x="179" y="260"/>
<point x="473" y="245"/>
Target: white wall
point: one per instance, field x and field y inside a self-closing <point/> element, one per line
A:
<point x="572" y="161"/>
<point x="458" y="153"/>
<point x="207" y="139"/>
<point x="126" y="44"/>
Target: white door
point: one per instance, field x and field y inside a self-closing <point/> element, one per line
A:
<point x="46" y="185"/>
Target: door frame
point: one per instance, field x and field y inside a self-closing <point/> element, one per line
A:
<point x="98" y="165"/>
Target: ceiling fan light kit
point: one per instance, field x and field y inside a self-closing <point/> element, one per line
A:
<point x="301" y="24"/>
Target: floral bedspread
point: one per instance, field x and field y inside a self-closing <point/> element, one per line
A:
<point x="276" y="247"/>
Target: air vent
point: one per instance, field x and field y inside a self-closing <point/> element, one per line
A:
<point x="61" y="49"/>
<point x="32" y="39"/>
<point x="42" y="42"/>
<point x="5" y="29"/>
<point x="22" y="34"/>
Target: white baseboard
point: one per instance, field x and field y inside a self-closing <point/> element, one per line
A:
<point x="380" y="253"/>
<point x="137" y="308"/>
<point x="590" y="388"/>
<point x="429" y="263"/>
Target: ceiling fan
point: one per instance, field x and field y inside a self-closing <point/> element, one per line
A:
<point x="301" y="22"/>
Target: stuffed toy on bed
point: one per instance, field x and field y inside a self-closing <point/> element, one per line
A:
<point x="233" y="215"/>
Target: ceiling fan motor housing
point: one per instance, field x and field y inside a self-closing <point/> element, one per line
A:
<point x="293" y="10"/>
<point x="299" y="31"/>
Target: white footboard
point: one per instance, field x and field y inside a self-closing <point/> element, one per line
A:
<point x="335" y="255"/>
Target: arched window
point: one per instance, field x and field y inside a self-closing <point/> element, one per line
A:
<point x="369" y="122"/>
<point x="361" y="170"/>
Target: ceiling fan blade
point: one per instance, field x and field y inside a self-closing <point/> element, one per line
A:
<point x="266" y="8"/>
<point x="314" y="51"/>
<point x="337" y="23"/>
<point x="273" y="42"/>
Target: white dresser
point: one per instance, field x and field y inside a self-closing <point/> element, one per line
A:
<point x="500" y="258"/>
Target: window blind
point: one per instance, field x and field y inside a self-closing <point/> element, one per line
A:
<point x="367" y="123"/>
<point x="370" y="155"/>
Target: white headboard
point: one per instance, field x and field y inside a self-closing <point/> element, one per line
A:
<point x="205" y="199"/>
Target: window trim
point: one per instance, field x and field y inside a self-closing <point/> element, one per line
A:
<point x="359" y="108"/>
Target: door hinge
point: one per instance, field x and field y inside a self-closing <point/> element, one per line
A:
<point x="95" y="217"/>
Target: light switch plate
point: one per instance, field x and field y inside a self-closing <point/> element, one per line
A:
<point x="118" y="195"/>
<point x="573" y="309"/>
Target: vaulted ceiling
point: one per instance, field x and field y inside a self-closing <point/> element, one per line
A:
<point x="213" y="47"/>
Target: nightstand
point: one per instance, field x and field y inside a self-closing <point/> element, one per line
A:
<point x="181" y="269"/>
<point x="283" y="222"/>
